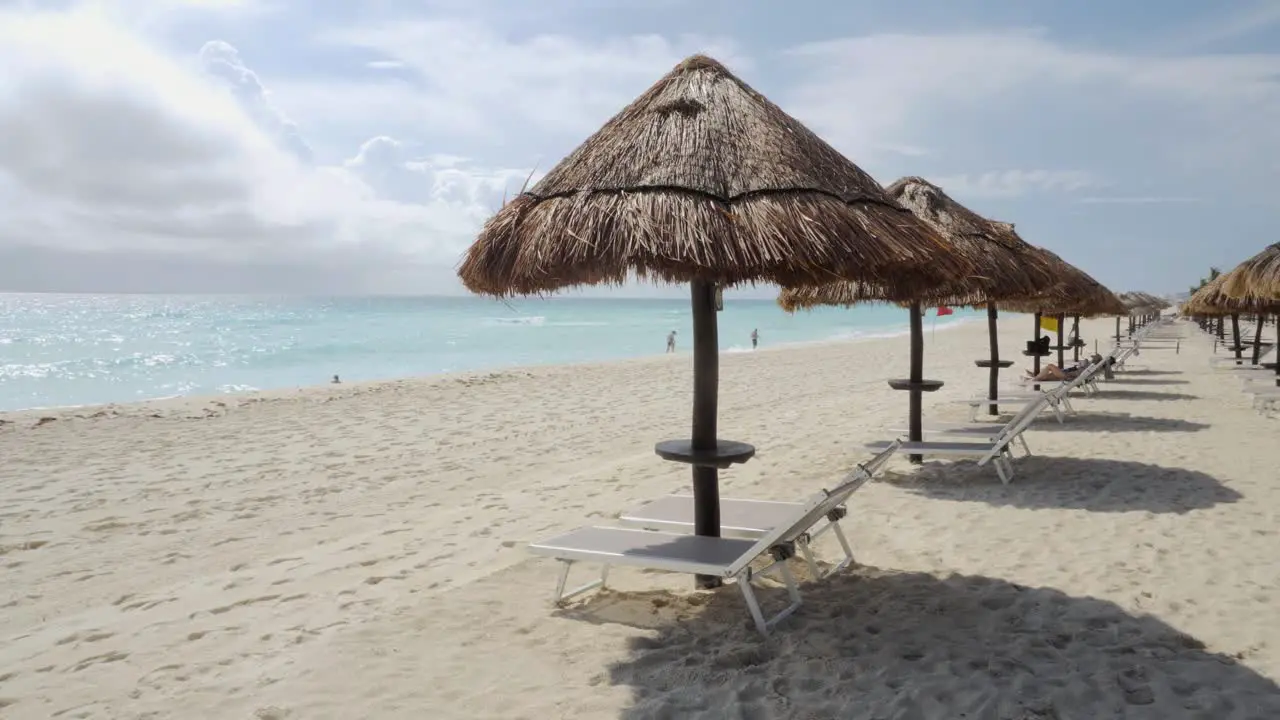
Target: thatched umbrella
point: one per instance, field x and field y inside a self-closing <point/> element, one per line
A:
<point x="1005" y="267"/>
<point x="1256" y="282"/>
<point x="1076" y="293"/>
<point x="703" y="180"/>
<point x="1213" y="300"/>
<point x="1256" y="279"/>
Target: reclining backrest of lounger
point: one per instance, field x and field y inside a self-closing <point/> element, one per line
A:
<point x="1030" y="410"/>
<point x="805" y="517"/>
<point x="872" y="466"/>
<point x="1022" y="422"/>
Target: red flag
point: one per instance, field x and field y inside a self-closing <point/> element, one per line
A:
<point x="943" y="310"/>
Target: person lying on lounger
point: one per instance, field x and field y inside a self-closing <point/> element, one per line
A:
<point x="1067" y="374"/>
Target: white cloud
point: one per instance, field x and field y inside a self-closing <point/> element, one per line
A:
<point x="1014" y="183"/>
<point x="473" y="81"/>
<point x="110" y="146"/>
<point x="1203" y="112"/>
<point x="1137" y="200"/>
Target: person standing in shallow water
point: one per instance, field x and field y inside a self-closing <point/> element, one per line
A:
<point x="755" y="338"/>
<point x="671" y="341"/>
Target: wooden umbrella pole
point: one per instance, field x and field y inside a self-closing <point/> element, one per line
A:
<point x="915" y="430"/>
<point x="1117" y="329"/>
<point x="1075" y="332"/>
<point x="1277" y="355"/>
<point x="1062" y="319"/>
<point x="1235" y="336"/>
<point x="1035" y="359"/>
<point x="706" y="381"/>
<point x="1257" y="338"/>
<point x="993" y="382"/>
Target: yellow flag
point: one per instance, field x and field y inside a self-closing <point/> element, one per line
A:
<point x="1049" y="323"/>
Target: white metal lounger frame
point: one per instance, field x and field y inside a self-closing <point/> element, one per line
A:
<point x="779" y="544"/>
<point x="1057" y="399"/>
<point x="804" y="541"/>
<point x="1086" y="379"/>
<point x="996" y="451"/>
<point x="1015" y="428"/>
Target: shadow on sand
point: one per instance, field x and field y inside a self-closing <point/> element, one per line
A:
<point x="876" y="644"/>
<point x="1118" y="422"/>
<point x="1112" y="394"/>
<point x="1095" y="484"/>
<point x="1147" y="373"/>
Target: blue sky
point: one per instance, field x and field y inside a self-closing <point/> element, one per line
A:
<point x="252" y="145"/>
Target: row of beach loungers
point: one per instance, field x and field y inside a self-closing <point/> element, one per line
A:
<point x="759" y="537"/>
<point x="1259" y="380"/>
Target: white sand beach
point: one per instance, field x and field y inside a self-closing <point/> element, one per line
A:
<point x="358" y="551"/>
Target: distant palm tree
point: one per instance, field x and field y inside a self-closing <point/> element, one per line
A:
<point x="1213" y="275"/>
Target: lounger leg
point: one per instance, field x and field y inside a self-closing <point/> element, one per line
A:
<point x="1003" y="469"/>
<point x="562" y="596"/>
<point x="1057" y="412"/>
<point x="793" y="592"/>
<point x="844" y="544"/>
<point x="1023" y="441"/>
<point x="973" y="413"/>
<point x="564" y="578"/>
<point x="808" y="558"/>
<point x="1066" y="402"/>
<point x="753" y="606"/>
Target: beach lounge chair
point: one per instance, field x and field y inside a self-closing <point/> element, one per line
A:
<point x="753" y="519"/>
<point x="994" y="450"/>
<point x="1086" y="380"/>
<point x="728" y="558"/>
<point x="1015" y="428"/>
<point x="1057" y="396"/>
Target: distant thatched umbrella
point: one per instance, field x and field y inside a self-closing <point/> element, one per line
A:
<point x="1140" y="305"/>
<point x="1213" y="300"/>
<point x="703" y="180"/>
<point x="1254" y="283"/>
<point x="1075" y="293"/>
<point x="1257" y="278"/>
<point x="1005" y="267"/>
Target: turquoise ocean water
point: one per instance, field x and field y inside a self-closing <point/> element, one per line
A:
<point x="62" y="350"/>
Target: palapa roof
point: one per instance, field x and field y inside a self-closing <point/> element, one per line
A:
<point x="1004" y="266"/>
<point x="702" y="177"/>
<point x="1256" y="279"/>
<point x="1213" y="300"/>
<point x="1139" y="302"/>
<point x="1075" y="293"/>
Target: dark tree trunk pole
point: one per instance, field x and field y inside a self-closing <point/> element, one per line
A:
<point x="1235" y="336"/>
<point x="1118" y="330"/>
<point x="1062" y="320"/>
<point x="993" y="382"/>
<point x="1257" y="338"/>
<point x="706" y="382"/>
<point x="1035" y="359"/>
<point x="1222" y="328"/>
<point x="915" y="431"/>
<point x="1276" y="357"/>
<point x="1075" y="330"/>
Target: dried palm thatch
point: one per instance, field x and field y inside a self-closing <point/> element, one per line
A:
<point x="1257" y="278"/>
<point x="1212" y="300"/>
<point x="1139" y="303"/>
<point x="1074" y="293"/>
<point x="1004" y="266"/>
<point x="703" y="178"/>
